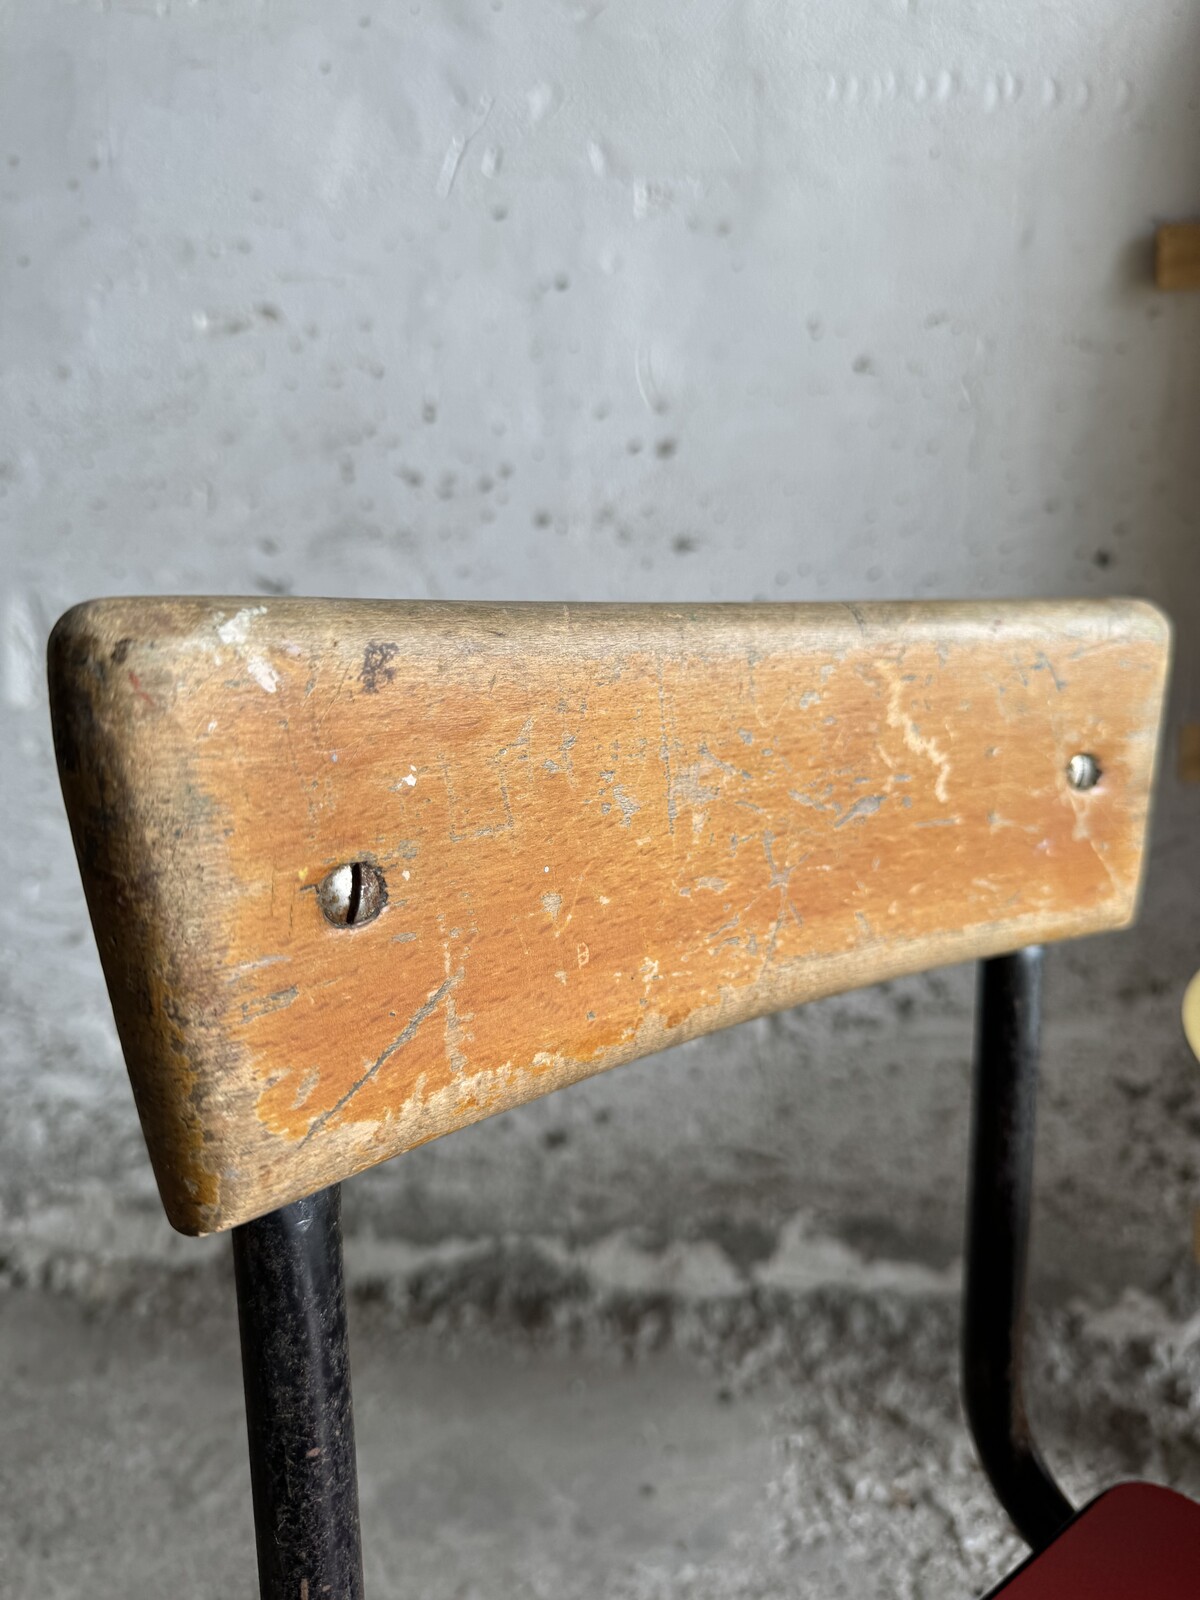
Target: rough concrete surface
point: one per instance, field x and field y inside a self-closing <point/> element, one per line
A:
<point x="518" y="1436"/>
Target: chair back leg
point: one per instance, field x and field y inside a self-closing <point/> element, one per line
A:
<point x="296" y="1368"/>
<point x="1001" y="1177"/>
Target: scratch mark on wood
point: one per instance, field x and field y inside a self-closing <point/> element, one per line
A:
<point x="384" y="1056"/>
<point x="920" y="744"/>
<point x="270" y="1002"/>
<point x="333" y="698"/>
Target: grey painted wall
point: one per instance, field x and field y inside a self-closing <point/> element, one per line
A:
<point x="649" y="300"/>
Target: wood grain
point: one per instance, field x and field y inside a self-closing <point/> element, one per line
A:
<point x="602" y="829"/>
<point x="1177" y="256"/>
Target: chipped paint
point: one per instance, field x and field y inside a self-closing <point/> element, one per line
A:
<point x="866" y="807"/>
<point x="236" y="630"/>
<point x="263" y="673"/>
<point x="628" y="803"/>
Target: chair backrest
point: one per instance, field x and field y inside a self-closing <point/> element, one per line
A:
<point x="362" y="873"/>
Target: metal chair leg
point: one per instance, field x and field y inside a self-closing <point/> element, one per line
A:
<point x="1001" y="1175"/>
<point x="296" y="1368"/>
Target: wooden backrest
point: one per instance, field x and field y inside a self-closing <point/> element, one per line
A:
<point x="362" y="873"/>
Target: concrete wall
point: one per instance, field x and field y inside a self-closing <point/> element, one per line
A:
<point x="650" y="300"/>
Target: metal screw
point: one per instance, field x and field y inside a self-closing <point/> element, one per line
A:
<point x="1083" y="771"/>
<point x="352" y="894"/>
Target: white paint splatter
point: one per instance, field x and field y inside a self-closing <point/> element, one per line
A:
<point x="263" y="673"/>
<point x="237" y="629"/>
<point x="235" y="632"/>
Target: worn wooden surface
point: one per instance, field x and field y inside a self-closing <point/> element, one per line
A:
<point x="1177" y="256"/>
<point x="602" y="830"/>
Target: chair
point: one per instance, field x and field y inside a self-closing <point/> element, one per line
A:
<point x="363" y="873"/>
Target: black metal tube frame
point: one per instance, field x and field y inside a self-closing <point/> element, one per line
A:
<point x="1008" y="1036"/>
<point x="299" y="1417"/>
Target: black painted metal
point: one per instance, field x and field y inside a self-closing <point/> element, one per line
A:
<point x="1001" y="1177"/>
<point x="296" y="1368"/>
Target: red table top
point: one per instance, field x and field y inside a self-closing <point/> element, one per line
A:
<point x="1136" y="1542"/>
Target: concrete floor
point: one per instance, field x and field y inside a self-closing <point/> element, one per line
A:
<point x="515" y="1444"/>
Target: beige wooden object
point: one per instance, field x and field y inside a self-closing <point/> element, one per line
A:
<point x="1177" y="256"/>
<point x="602" y="830"/>
<point x="1191" y="1015"/>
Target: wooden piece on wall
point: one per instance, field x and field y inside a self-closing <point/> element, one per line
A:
<point x="363" y="873"/>
<point x="1187" y="766"/>
<point x="1177" y="256"/>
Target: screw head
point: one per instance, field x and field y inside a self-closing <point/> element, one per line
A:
<point x="352" y="894"/>
<point x="1083" y="771"/>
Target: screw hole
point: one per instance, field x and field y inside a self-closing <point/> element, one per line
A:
<point x="1083" y="771"/>
<point x="352" y="894"/>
